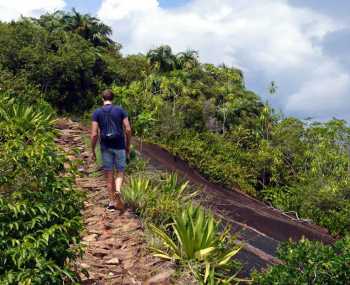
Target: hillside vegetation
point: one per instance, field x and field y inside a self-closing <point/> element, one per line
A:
<point x="200" y="112"/>
<point x="40" y="219"/>
<point x="205" y="115"/>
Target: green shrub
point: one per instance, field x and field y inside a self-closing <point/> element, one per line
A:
<point x="191" y="236"/>
<point x="194" y="239"/>
<point x="20" y="88"/>
<point x="135" y="164"/>
<point x="308" y="262"/>
<point x="137" y="193"/>
<point x="326" y="204"/>
<point x="218" y="160"/>
<point x="158" y="199"/>
<point x="40" y="220"/>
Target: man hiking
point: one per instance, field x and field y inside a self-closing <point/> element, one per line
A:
<point x="111" y="125"/>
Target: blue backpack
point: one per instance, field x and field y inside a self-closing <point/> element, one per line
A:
<point x="110" y="132"/>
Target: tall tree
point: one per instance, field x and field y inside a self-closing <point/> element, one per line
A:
<point x="162" y="59"/>
<point x="188" y="59"/>
<point x="90" y="28"/>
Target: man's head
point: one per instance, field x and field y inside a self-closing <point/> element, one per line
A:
<point x="107" y="95"/>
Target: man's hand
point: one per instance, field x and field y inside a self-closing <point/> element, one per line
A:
<point x="93" y="156"/>
<point x="94" y="137"/>
<point x="127" y="132"/>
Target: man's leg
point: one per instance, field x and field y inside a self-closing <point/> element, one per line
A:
<point x="110" y="185"/>
<point x="114" y="196"/>
<point x="109" y="158"/>
<point x="120" y="167"/>
<point x="119" y="181"/>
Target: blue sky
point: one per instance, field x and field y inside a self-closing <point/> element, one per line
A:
<point x="85" y="6"/>
<point x="92" y="6"/>
<point x="301" y="45"/>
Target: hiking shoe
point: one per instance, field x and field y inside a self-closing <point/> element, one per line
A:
<point x="116" y="207"/>
<point x="111" y="208"/>
<point x="119" y="203"/>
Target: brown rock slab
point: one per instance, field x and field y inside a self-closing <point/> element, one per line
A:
<point x="100" y="252"/>
<point x="113" y="261"/>
<point x="162" y="278"/>
<point x="90" y="238"/>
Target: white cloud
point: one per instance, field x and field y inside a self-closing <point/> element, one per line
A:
<point x="270" y="39"/>
<point x="277" y="33"/>
<point x="328" y="89"/>
<point x="119" y="10"/>
<point x="13" y="9"/>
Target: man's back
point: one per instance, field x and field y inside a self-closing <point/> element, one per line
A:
<point x="117" y="115"/>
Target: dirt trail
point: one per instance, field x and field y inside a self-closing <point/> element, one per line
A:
<point x="116" y="251"/>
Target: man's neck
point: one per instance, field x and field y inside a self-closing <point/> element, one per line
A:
<point x="107" y="103"/>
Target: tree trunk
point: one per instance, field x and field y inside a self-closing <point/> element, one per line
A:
<point x="141" y="144"/>
<point x="223" y="123"/>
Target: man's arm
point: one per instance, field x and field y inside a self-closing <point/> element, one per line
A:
<point x="94" y="138"/>
<point x="127" y="131"/>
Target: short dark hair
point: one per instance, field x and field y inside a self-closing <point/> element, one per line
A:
<point x="107" y="95"/>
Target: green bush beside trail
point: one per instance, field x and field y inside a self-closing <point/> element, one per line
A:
<point x="40" y="220"/>
<point x="309" y="262"/>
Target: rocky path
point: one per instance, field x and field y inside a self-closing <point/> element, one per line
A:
<point x="116" y="251"/>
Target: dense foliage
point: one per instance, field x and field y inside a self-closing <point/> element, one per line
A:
<point x="205" y="115"/>
<point x="69" y="56"/>
<point x="310" y="263"/>
<point x="39" y="210"/>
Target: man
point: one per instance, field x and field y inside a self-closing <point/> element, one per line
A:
<point x="111" y="124"/>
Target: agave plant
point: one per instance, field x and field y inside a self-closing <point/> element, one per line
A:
<point x="135" y="192"/>
<point x="196" y="238"/>
<point x="154" y="200"/>
<point x="211" y="276"/>
<point x="18" y="119"/>
<point x="173" y="187"/>
<point x="171" y="184"/>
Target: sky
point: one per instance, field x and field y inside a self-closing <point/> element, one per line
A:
<point x="301" y="45"/>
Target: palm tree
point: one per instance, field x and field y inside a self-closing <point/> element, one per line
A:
<point x="90" y="28"/>
<point x="188" y="59"/>
<point x="162" y="59"/>
<point x="273" y="88"/>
